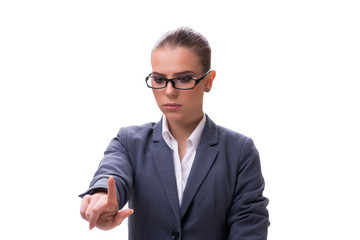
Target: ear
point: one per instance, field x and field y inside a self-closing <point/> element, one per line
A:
<point x="209" y="80"/>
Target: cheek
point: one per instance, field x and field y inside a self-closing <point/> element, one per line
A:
<point x="195" y="99"/>
<point x="156" y="96"/>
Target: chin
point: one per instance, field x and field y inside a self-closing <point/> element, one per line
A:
<point x="173" y="116"/>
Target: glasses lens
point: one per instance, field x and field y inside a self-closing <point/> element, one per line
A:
<point x="156" y="82"/>
<point x="184" y="83"/>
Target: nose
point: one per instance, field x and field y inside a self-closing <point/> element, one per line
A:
<point x="170" y="91"/>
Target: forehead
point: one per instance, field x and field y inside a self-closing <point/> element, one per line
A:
<point x="171" y="60"/>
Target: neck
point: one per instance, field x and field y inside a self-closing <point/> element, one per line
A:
<point x="181" y="131"/>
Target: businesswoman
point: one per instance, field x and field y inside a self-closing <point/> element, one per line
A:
<point x="184" y="177"/>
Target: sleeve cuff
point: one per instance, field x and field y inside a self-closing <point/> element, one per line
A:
<point x="100" y="186"/>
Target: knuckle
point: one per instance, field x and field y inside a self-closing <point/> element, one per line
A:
<point x="95" y="211"/>
<point x="88" y="214"/>
<point x="86" y="197"/>
<point x="82" y="213"/>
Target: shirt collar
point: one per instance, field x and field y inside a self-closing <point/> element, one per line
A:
<point x="194" y="137"/>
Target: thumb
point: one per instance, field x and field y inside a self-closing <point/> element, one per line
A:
<point x="120" y="216"/>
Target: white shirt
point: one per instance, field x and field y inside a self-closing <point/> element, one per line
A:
<point x="182" y="168"/>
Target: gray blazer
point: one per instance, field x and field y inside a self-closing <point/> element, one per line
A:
<point x="223" y="196"/>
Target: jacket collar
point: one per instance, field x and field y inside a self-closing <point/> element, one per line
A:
<point x="209" y="136"/>
<point x="194" y="137"/>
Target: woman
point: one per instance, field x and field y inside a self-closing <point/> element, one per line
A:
<point x="184" y="177"/>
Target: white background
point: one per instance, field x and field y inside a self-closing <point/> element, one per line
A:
<point x="72" y="73"/>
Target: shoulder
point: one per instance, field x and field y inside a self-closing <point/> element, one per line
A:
<point x="233" y="140"/>
<point x="238" y="149"/>
<point x="225" y="134"/>
<point x="230" y="134"/>
<point x="231" y="137"/>
<point x="127" y="137"/>
<point x="137" y="131"/>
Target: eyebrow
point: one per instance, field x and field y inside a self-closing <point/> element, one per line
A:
<point x="187" y="72"/>
<point x="184" y="73"/>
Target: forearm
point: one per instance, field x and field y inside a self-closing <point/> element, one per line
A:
<point x="115" y="163"/>
<point x="249" y="218"/>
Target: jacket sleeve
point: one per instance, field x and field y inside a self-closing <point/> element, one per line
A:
<point x="248" y="217"/>
<point x="115" y="163"/>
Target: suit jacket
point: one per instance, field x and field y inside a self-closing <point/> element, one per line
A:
<point x="223" y="196"/>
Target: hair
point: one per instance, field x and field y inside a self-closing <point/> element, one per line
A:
<point x="188" y="38"/>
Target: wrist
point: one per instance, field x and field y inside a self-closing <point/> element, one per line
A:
<point x="101" y="191"/>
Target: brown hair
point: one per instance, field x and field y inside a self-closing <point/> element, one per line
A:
<point x="190" y="39"/>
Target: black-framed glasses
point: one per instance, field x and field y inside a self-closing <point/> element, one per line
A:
<point x="182" y="83"/>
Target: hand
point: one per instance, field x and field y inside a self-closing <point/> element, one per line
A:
<point x="101" y="209"/>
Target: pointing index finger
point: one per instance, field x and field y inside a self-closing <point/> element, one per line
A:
<point x="112" y="197"/>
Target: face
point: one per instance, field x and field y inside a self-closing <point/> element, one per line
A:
<point x="181" y="106"/>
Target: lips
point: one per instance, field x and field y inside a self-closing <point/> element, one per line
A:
<point x="172" y="106"/>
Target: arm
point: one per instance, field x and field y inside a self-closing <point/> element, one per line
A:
<point x="248" y="216"/>
<point x="116" y="164"/>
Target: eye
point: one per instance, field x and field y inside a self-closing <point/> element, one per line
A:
<point x="158" y="79"/>
<point x="184" y="80"/>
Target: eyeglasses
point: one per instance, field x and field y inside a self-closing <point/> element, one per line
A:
<point x="181" y="83"/>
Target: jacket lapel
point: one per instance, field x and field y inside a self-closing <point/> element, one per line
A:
<point x="206" y="154"/>
<point x="162" y="156"/>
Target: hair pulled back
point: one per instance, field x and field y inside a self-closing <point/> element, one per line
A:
<point x="190" y="39"/>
